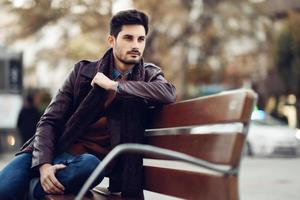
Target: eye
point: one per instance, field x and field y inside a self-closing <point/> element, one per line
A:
<point x="127" y="37"/>
<point x="141" y="39"/>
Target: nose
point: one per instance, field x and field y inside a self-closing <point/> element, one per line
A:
<point x="135" y="44"/>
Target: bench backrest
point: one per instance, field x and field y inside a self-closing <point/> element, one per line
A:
<point x="224" y="147"/>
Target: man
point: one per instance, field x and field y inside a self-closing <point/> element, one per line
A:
<point x="113" y="93"/>
<point x="28" y="118"/>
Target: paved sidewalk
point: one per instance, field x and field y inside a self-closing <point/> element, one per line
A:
<point x="270" y="179"/>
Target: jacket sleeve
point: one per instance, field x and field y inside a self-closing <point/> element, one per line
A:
<point x="52" y="121"/>
<point x="155" y="88"/>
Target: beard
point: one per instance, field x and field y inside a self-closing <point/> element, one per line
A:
<point x="128" y="61"/>
<point x="126" y="57"/>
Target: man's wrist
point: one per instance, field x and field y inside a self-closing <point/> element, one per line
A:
<point x="115" y="85"/>
<point x="43" y="166"/>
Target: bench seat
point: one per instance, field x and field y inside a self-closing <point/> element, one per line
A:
<point x="173" y="128"/>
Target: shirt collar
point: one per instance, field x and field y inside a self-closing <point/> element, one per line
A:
<point x="116" y="73"/>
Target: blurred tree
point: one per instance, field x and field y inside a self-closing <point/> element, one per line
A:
<point x="193" y="40"/>
<point x="171" y="37"/>
<point x="54" y="34"/>
<point x="287" y="54"/>
<point x="80" y="21"/>
<point x="287" y="57"/>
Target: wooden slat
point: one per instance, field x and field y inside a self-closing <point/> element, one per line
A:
<point x="216" y="148"/>
<point x="90" y="196"/>
<point x="250" y="102"/>
<point x="59" y="197"/>
<point x="235" y="106"/>
<point x="190" y="185"/>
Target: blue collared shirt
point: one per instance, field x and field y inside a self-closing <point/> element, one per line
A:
<point x="116" y="74"/>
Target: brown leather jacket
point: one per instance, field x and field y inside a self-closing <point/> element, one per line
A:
<point x="154" y="88"/>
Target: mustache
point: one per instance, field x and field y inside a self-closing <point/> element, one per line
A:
<point x="134" y="52"/>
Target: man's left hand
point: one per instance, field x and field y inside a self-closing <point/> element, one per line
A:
<point x="104" y="82"/>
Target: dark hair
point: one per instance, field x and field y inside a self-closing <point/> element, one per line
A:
<point x="29" y="99"/>
<point x="127" y="17"/>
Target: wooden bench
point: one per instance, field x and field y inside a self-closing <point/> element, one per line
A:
<point x="217" y="150"/>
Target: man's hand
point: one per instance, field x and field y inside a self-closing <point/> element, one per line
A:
<point x="48" y="180"/>
<point x="104" y="82"/>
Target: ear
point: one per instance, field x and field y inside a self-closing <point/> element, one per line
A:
<point x="111" y="40"/>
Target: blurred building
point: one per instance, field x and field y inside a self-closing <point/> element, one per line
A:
<point x="11" y="88"/>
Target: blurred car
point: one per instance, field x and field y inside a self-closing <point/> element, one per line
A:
<point x="269" y="136"/>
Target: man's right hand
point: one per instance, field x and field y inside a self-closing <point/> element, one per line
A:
<point x="48" y="180"/>
<point x="104" y="82"/>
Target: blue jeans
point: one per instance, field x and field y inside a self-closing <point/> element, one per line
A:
<point x="15" y="177"/>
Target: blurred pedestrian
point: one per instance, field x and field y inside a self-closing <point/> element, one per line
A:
<point x="28" y="118"/>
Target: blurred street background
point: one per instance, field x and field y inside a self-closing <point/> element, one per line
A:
<point x="203" y="46"/>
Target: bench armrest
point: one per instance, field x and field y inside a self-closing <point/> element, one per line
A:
<point x="152" y="150"/>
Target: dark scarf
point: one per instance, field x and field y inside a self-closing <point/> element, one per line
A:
<point x="127" y="123"/>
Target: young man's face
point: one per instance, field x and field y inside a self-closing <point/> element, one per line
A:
<point x="129" y="45"/>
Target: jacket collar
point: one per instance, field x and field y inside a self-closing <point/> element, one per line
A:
<point x="89" y="70"/>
